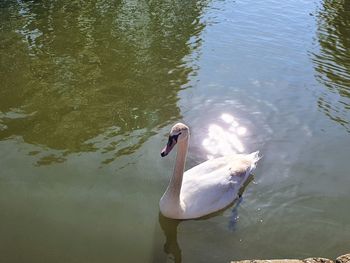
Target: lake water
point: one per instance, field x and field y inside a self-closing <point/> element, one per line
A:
<point x="90" y="89"/>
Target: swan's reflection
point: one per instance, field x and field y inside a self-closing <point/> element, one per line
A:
<point x="171" y="246"/>
<point x="225" y="139"/>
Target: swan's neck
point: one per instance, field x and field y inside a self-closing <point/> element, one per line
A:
<point x="172" y="193"/>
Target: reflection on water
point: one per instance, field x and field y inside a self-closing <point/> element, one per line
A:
<point x="171" y="246"/>
<point x="84" y="76"/>
<point x="234" y="215"/>
<point x="224" y="139"/>
<point x="332" y="61"/>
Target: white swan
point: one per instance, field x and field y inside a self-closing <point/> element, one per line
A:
<point x="207" y="187"/>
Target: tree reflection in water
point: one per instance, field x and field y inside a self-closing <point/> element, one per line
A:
<point x="332" y="61"/>
<point x="94" y="74"/>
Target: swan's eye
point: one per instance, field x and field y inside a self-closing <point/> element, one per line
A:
<point x="174" y="137"/>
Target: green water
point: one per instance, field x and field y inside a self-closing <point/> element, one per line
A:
<point x="90" y="89"/>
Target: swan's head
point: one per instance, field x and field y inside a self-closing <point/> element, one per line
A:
<point x="179" y="132"/>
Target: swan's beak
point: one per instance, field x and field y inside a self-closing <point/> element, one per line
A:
<point x="169" y="146"/>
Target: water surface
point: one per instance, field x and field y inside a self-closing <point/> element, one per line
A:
<point x="89" y="91"/>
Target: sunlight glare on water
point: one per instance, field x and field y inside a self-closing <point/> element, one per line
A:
<point x="225" y="139"/>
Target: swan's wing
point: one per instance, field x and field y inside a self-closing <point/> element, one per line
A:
<point x="237" y="164"/>
<point x="208" y="187"/>
<point x="214" y="184"/>
<point x="207" y="193"/>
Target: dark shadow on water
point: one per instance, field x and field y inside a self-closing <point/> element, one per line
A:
<point x="234" y="214"/>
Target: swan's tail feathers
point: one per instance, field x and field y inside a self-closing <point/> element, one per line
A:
<point x="250" y="161"/>
<point x="254" y="158"/>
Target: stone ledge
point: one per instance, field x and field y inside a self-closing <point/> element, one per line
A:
<point x="342" y="259"/>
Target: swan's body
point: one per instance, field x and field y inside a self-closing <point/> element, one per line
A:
<point x="207" y="187"/>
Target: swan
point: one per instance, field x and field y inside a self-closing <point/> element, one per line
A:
<point x="205" y="188"/>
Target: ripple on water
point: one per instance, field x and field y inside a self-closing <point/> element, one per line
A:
<point x="331" y="61"/>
